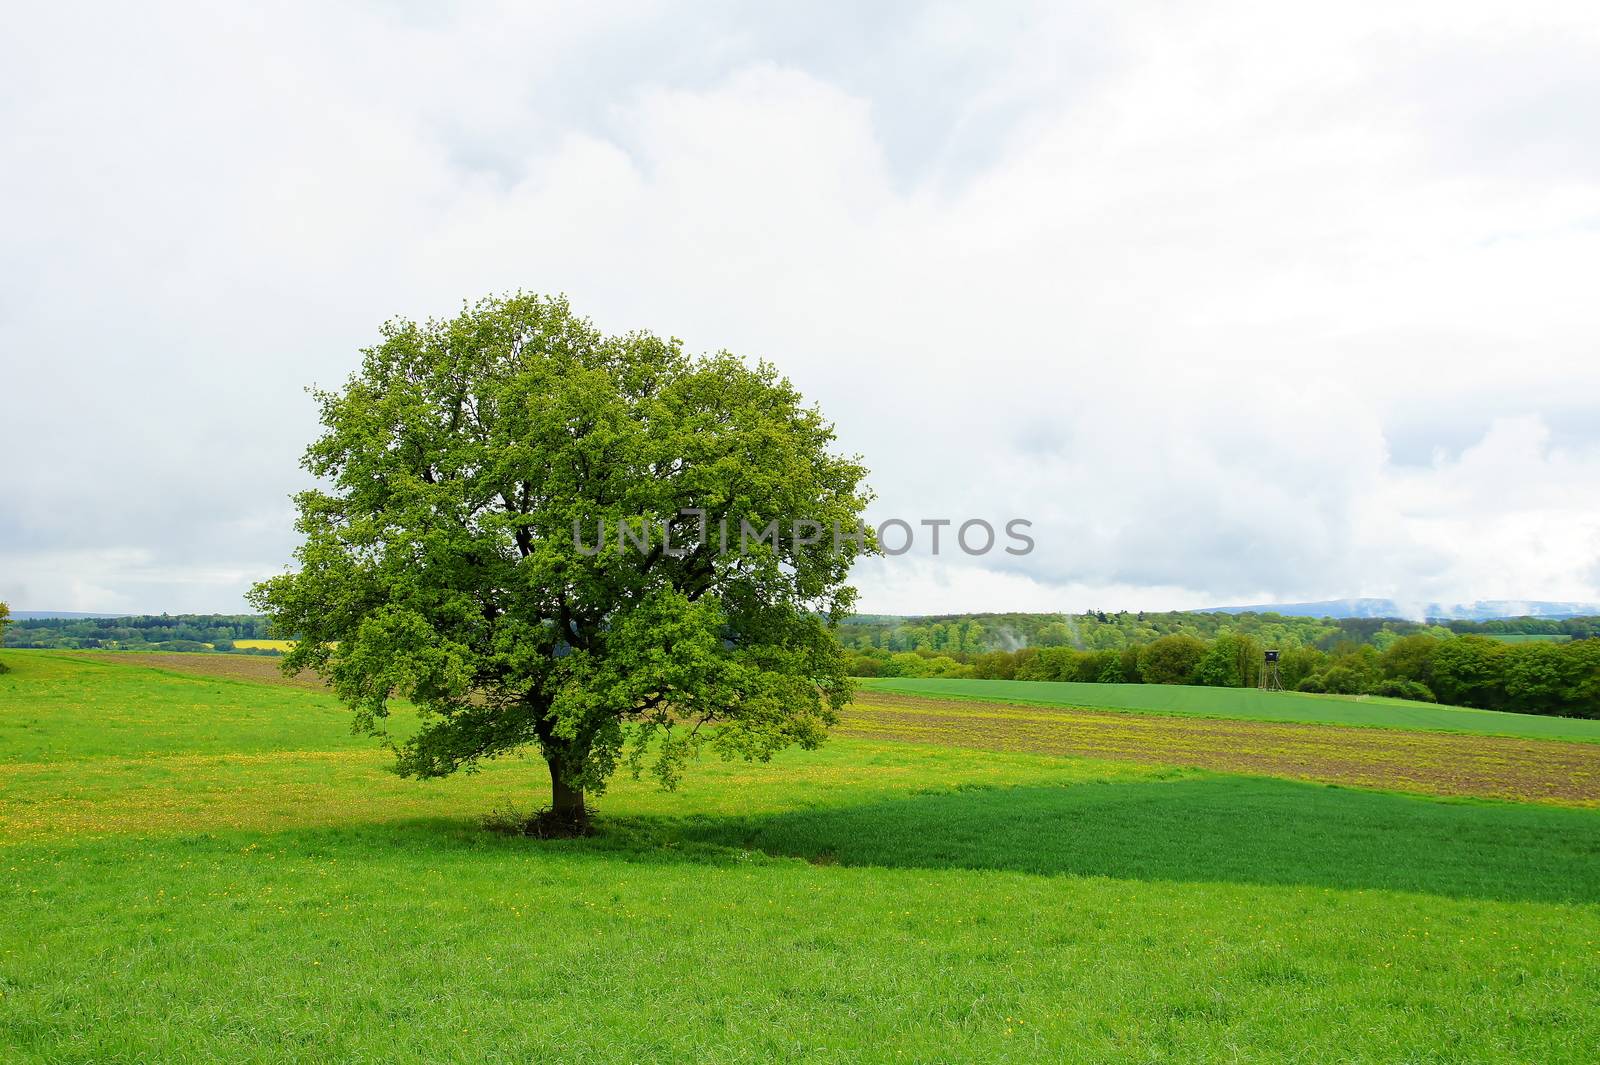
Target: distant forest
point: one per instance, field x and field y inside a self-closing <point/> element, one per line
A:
<point x="1093" y="630"/>
<point x="1526" y="665"/>
<point x="166" y="632"/>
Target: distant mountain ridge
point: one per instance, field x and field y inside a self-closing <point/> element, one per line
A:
<point x="1483" y="610"/>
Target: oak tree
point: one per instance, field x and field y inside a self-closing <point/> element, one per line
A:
<point x="597" y="548"/>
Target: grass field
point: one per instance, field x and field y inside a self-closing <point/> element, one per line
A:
<point x="1248" y="704"/>
<point x="201" y="868"/>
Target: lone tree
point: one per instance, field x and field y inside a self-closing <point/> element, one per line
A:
<point x="465" y="552"/>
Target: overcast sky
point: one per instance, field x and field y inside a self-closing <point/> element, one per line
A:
<point x="1237" y="303"/>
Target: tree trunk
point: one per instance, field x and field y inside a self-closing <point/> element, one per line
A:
<point x="567" y="811"/>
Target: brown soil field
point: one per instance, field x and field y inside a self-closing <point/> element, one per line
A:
<point x="262" y="669"/>
<point x="1438" y="763"/>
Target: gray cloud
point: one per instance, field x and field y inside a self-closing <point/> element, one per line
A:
<point x="1236" y="303"/>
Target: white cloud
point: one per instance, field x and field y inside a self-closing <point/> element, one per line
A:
<point x="1201" y="290"/>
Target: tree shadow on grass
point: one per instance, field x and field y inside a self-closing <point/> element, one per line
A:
<point x="1243" y="830"/>
<point x="1194" y="828"/>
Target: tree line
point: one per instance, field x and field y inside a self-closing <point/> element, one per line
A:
<point x="1098" y="630"/>
<point x="1541" y="677"/>
<point x="164" y="632"/>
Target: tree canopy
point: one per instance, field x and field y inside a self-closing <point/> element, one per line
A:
<point x="452" y="556"/>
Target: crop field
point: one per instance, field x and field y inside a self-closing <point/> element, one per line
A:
<point x="1428" y="762"/>
<point x="1247" y="704"/>
<point x="199" y="862"/>
<point x="264" y="645"/>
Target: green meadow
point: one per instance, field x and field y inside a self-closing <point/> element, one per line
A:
<point x="1249" y="704"/>
<point x="198" y="869"/>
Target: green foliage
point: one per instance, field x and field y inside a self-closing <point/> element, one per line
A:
<point x="1357" y="671"/>
<point x="1171" y="659"/>
<point x="1050" y="663"/>
<point x="1114" y="670"/>
<point x="997" y="665"/>
<point x="1411" y="657"/>
<point x="1405" y="689"/>
<point x="860" y="665"/>
<point x="161" y="632"/>
<point x="1561" y="677"/>
<point x="1468" y="671"/>
<point x="945" y="666"/>
<point x="1533" y="676"/>
<point x="1297" y="663"/>
<point x="1098" y="666"/>
<point x="1517" y="630"/>
<point x="1232" y="661"/>
<point x="1337" y="680"/>
<point x="442" y="564"/>
<point x="923" y="664"/>
<point x="905" y="664"/>
<point x="973" y="634"/>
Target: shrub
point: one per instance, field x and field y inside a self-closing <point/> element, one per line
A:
<point x="1130" y="665"/>
<point x="995" y="665"/>
<point x="1343" y="680"/>
<point x="906" y="664"/>
<point x="1100" y="667"/>
<point x="1049" y="663"/>
<point x="1112" y="672"/>
<point x="1406" y="689"/>
<point x="1171" y="659"/>
<point x="864" y="666"/>
<point x="945" y="666"/>
<point x="1298" y="663"/>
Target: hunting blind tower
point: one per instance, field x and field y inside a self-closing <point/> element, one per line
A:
<point x="1270" y="680"/>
